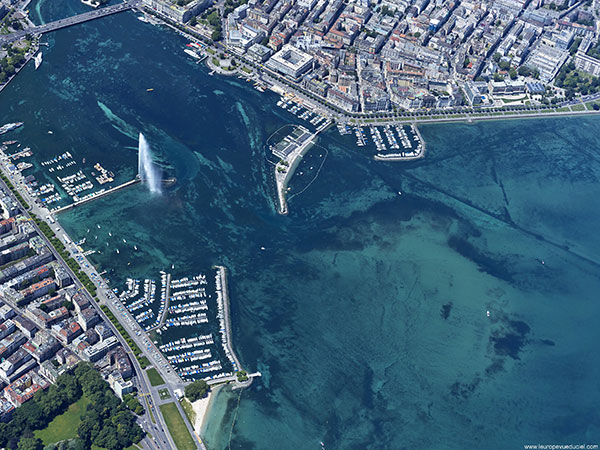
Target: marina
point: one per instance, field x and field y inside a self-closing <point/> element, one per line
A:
<point x="393" y="142"/>
<point x="187" y="321"/>
<point x="67" y="183"/>
<point x="303" y="111"/>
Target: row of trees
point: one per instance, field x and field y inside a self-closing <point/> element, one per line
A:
<point x="62" y="251"/>
<point x="14" y="191"/>
<point x="106" y="423"/>
<point x="134" y="347"/>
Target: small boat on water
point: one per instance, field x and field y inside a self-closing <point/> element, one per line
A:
<point x="117" y="251"/>
<point x="149" y="89"/>
<point x="135" y="247"/>
<point x="124" y="241"/>
<point x="98" y="226"/>
<point x="38" y="60"/>
<point x="192" y="53"/>
<point x="110" y="234"/>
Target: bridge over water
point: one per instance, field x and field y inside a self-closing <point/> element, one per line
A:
<point x="69" y="21"/>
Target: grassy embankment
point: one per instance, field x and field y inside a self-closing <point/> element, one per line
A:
<point x="177" y="428"/>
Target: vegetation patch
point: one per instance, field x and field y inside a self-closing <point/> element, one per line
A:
<point x="154" y="377"/>
<point x="196" y="390"/>
<point x="64" y="426"/>
<point x="595" y="106"/>
<point x="98" y="417"/>
<point x="188" y="410"/>
<point x="177" y="427"/>
<point x="164" y="394"/>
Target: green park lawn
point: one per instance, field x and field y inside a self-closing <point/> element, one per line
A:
<point x="64" y="426"/>
<point x="154" y="377"/>
<point x="177" y="428"/>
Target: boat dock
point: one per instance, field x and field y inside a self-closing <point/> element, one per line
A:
<point x="227" y="322"/>
<point x="413" y="145"/>
<point x="97" y="196"/>
<point x="163" y="311"/>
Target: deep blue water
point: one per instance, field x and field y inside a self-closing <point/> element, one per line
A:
<point x="366" y="313"/>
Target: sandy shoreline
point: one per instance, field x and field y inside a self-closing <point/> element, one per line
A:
<point x="202" y="409"/>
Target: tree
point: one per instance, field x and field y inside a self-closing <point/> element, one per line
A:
<point x="69" y="305"/>
<point x="193" y="21"/>
<point x="196" y="390"/>
<point x="133" y="404"/>
<point x="497" y="57"/>
<point x="512" y="73"/>
<point x="524" y="71"/>
<point x="30" y="443"/>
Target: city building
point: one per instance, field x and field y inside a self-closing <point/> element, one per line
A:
<point x="24" y="388"/>
<point x="290" y="61"/>
<point x="175" y="12"/>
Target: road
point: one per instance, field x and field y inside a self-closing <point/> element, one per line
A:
<point x="69" y="21"/>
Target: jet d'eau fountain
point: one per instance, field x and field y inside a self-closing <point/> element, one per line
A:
<point x="146" y="170"/>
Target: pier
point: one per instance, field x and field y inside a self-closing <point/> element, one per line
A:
<point x="69" y="21"/>
<point x="164" y="312"/>
<point x="97" y="196"/>
<point x="223" y="275"/>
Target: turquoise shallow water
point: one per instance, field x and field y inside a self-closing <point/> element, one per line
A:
<point x="366" y="312"/>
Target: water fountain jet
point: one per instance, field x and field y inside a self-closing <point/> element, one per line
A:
<point x="146" y="170"/>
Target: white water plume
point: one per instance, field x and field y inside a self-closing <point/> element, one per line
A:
<point x="148" y="173"/>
